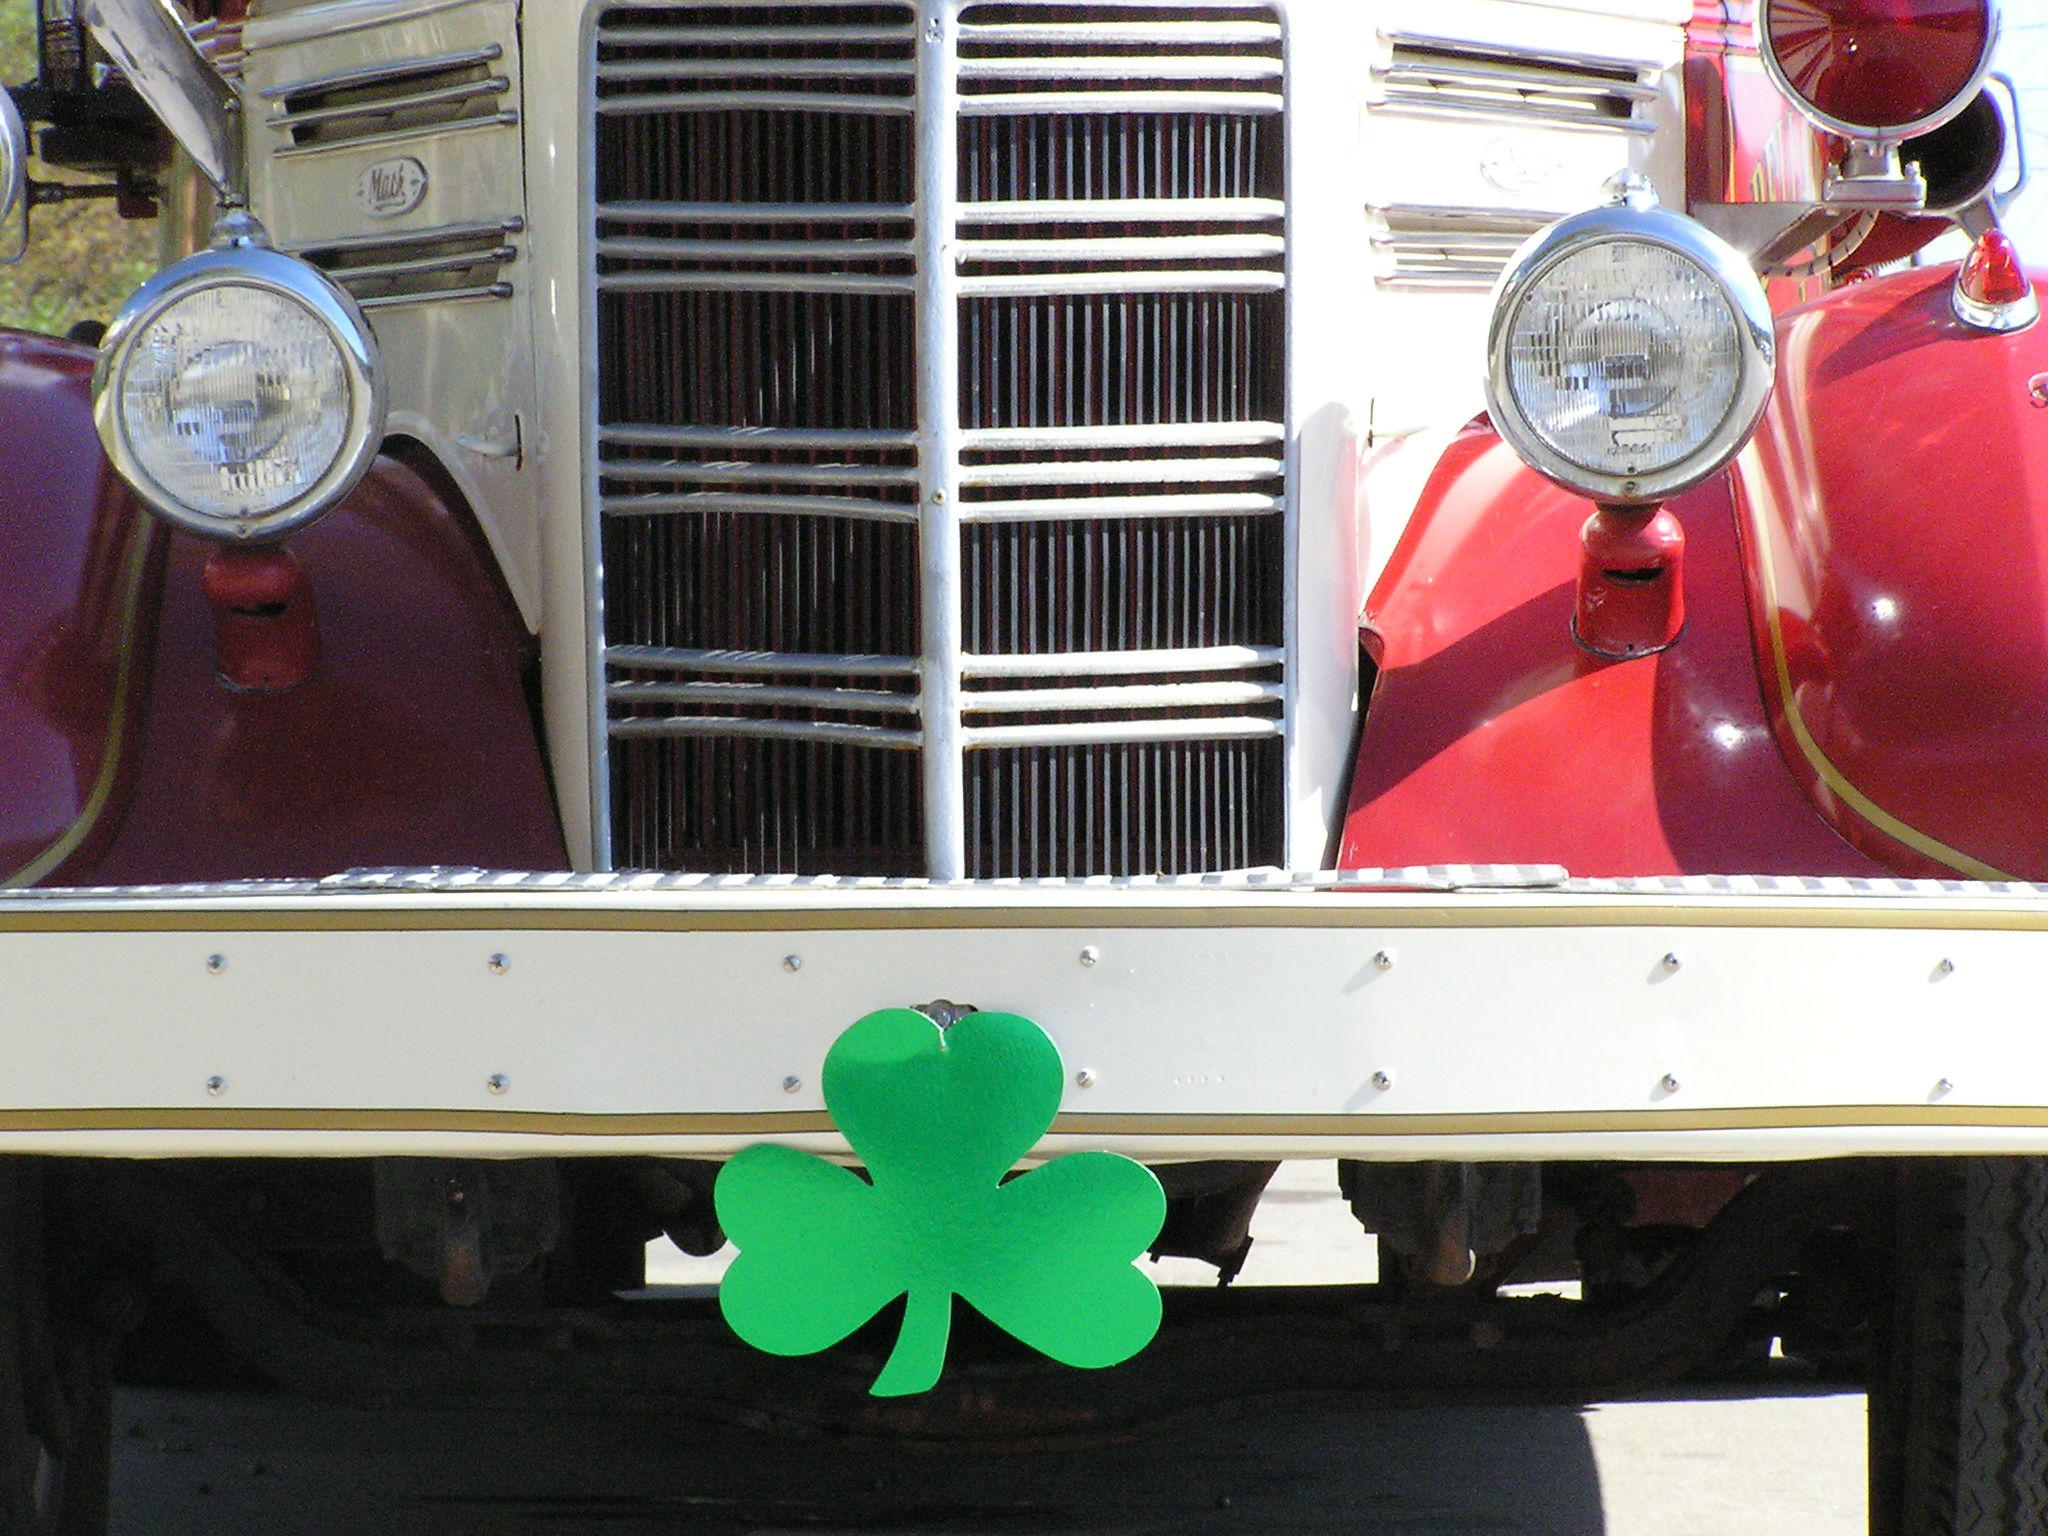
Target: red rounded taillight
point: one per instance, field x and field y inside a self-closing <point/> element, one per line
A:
<point x="1879" y="69"/>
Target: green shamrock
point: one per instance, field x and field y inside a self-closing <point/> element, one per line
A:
<point x="940" y="1117"/>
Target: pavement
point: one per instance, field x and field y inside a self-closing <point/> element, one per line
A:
<point x="249" y="1464"/>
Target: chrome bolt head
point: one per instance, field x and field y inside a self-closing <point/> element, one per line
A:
<point x="792" y="962"/>
<point x="1085" y="1078"/>
<point x="1668" y="1082"/>
<point x="1947" y="967"/>
<point x="1944" y="1087"/>
<point x="1383" y="960"/>
<point x="216" y="1086"/>
<point x="500" y="963"/>
<point x="792" y="1083"/>
<point x="1383" y="1079"/>
<point x="497" y="1082"/>
<point x="1090" y="954"/>
<point x="1671" y="960"/>
<point x="215" y="964"/>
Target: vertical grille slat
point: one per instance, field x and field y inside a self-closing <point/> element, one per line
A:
<point x="1114" y="302"/>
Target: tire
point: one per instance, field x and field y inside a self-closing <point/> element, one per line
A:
<point x="1959" y="1391"/>
<point x="56" y="1398"/>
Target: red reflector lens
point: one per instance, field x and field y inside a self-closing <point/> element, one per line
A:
<point x="1992" y="274"/>
<point x="1879" y="64"/>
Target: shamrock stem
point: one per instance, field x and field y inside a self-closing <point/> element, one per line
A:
<point x="920" y="1351"/>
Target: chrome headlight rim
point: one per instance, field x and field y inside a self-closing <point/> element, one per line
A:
<point x="1865" y="133"/>
<point x="257" y="267"/>
<point x="1691" y="242"/>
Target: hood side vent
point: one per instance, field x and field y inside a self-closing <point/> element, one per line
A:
<point x="1437" y="78"/>
<point x="381" y="103"/>
<point x="452" y="261"/>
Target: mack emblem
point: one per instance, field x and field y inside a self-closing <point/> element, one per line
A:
<point x="391" y="187"/>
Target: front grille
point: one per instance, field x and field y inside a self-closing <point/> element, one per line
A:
<point x="1091" y="456"/>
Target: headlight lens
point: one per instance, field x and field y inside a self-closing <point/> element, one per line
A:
<point x="239" y="393"/>
<point x="1624" y="357"/>
<point x="1631" y="353"/>
<point x="235" y="401"/>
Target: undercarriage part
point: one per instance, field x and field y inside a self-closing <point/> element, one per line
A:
<point x="465" y="1224"/>
<point x="1209" y="1210"/>
<point x="1240" y="1346"/>
<point x="679" y="1193"/>
<point x="1440" y="1219"/>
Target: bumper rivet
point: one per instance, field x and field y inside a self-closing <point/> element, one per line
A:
<point x="497" y="1082"/>
<point x="1946" y="967"/>
<point x="1383" y="960"/>
<point x="1085" y="1078"/>
<point x="1668" y="1083"/>
<point x="792" y="962"/>
<point x="792" y="1083"/>
<point x="216" y="1086"/>
<point x="1383" y="1080"/>
<point x="1944" y="1086"/>
<point x="500" y="964"/>
<point x="215" y="964"/>
<point x="1090" y="955"/>
<point x="1671" y="960"/>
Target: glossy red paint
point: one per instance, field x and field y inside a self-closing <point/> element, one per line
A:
<point x="1492" y="736"/>
<point x="411" y="744"/>
<point x="1631" y="593"/>
<point x="76" y="557"/>
<point x="265" y="625"/>
<point x="1895" y="518"/>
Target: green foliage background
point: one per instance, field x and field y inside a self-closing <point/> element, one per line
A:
<point x="84" y="259"/>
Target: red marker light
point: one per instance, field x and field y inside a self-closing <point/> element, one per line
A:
<point x="1878" y="66"/>
<point x="1991" y="274"/>
<point x="1992" y="292"/>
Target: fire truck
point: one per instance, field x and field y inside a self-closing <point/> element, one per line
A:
<point x="1423" y="584"/>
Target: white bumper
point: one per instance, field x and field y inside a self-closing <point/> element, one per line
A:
<point x="685" y="1016"/>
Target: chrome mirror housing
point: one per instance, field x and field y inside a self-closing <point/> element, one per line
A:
<point x="14" y="152"/>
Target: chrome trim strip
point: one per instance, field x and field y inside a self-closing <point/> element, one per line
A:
<point x="1190" y="280"/>
<point x="629" y="435"/>
<point x="664" y="37"/>
<point x="743" y="69"/>
<point x="1124" y="248"/>
<point x="1025" y="701"/>
<point x="753" y="282"/>
<point x="1123" y="210"/>
<point x="786" y="730"/>
<point x="1082" y="733"/>
<point x="1203" y="434"/>
<point x="680" y="658"/>
<point x="377" y="74"/>
<point x="440" y="296"/>
<point x="1123" y="472"/>
<point x="385" y="271"/>
<point x="1041" y="103"/>
<point x="656" y="248"/>
<point x="723" y="501"/>
<point x="508" y="118"/>
<point x="755" y="213"/>
<point x="1180" y="66"/>
<point x="1213" y="658"/>
<point x="1066" y="508"/>
<point x="756" y="101"/>
<point x="1097" y="34"/>
<point x="401" y="239"/>
<point x="733" y="695"/>
<point x="759" y="474"/>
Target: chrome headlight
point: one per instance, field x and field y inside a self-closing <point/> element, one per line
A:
<point x="239" y="392"/>
<point x="1630" y="352"/>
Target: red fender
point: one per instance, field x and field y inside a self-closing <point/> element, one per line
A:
<point x="1895" y="518"/>
<point x="1491" y="737"/>
<point x="80" y="565"/>
<point x="412" y="743"/>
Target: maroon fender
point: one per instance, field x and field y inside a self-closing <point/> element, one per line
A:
<point x="1492" y="737"/>
<point x="1894" y="513"/>
<point x="412" y="742"/>
<point x="79" y="567"/>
